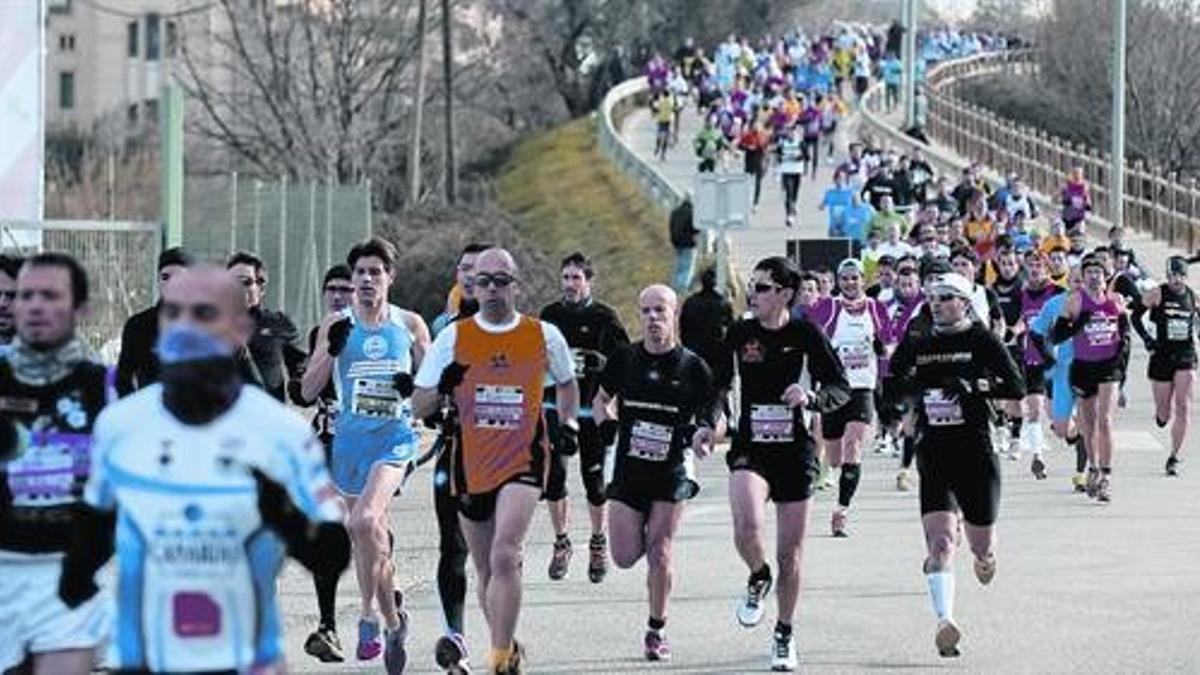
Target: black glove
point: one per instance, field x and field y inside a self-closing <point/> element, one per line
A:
<point x="608" y="432"/>
<point x="452" y="376"/>
<point x="878" y="346"/>
<point x="568" y="440"/>
<point x="295" y="393"/>
<point x="1151" y="344"/>
<point x="403" y="382"/>
<point x="1085" y="315"/>
<point x="10" y="440"/>
<point x="93" y="537"/>
<point x="955" y="388"/>
<point x="434" y="421"/>
<point x="276" y="507"/>
<point x="1048" y="360"/>
<point x="339" y="332"/>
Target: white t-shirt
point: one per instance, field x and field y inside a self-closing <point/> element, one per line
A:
<point x="441" y="352"/>
<point x="196" y="566"/>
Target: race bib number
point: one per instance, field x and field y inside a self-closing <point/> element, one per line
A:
<point x="1101" y="331"/>
<point x="940" y="411"/>
<point x="499" y="407"/>
<point x="579" y="360"/>
<point x="376" y="398"/>
<point x="771" y="423"/>
<point x="195" y="615"/>
<point x="1179" y="330"/>
<point x="48" y="473"/>
<point x="856" y="356"/>
<point x="649" y="441"/>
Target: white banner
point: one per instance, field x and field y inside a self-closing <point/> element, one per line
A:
<point x="21" y="144"/>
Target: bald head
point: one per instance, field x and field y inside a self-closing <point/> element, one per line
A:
<point x="656" y="306"/>
<point x="209" y="298"/>
<point x="496" y="285"/>
<point x="496" y="260"/>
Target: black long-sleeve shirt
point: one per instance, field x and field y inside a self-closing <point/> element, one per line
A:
<point x="137" y="366"/>
<point x="276" y="350"/>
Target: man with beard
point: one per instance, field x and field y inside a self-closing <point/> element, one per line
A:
<point x="9" y="266"/>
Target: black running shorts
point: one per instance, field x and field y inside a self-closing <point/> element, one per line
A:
<point x="860" y="408"/>
<point x="1164" y="364"/>
<point x="639" y="490"/>
<point x="1087" y="376"/>
<point x="1035" y="379"/>
<point x="790" y="469"/>
<point x="955" y="476"/>
<point x="481" y="507"/>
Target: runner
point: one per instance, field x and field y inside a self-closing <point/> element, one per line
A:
<point x="858" y="330"/>
<point x="892" y="406"/>
<point x="773" y="456"/>
<point x="1172" y="369"/>
<point x="190" y="472"/>
<point x="661" y="396"/>
<point x="337" y="294"/>
<point x="369" y="352"/>
<point x="52" y="394"/>
<point x="137" y="365"/>
<point x="274" y="347"/>
<point x="953" y="371"/>
<point x="1058" y="358"/>
<point x="9" y="267"/>
<point x="450" y="652"/>
<point x="791" y="169"/>
<point x="663" y="108"/>
<point x="1095" y="319"/>
<point x="501" y="359"/>
<point x="593" y="331"/>
<point x="1035" y="357"/>
<point x="1009" y="287"/>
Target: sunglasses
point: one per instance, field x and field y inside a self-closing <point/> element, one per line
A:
<point x="483" y="280"/>
<point x="763" y="288"/>
<point x="944" y="297"/>
<point x="339" y="289"/>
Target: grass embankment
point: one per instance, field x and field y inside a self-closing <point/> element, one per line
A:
<point x="566" y="196"/>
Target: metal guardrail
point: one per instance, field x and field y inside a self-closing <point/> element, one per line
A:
<point x="617" y="103"/>
<point x="1157" y="203"/>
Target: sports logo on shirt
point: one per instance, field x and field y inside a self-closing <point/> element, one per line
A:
<point x="374" y="347"/>
<point x="752" y="352"/>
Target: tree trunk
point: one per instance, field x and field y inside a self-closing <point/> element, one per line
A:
<point x="414" y="156"/>
<point x="448" y="85"/>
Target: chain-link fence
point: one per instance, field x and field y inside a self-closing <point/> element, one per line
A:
<point x="120" y="259"/>
<point x="298" y="229"/>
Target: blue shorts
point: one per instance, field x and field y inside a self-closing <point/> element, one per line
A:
<point x="353" y="458"/>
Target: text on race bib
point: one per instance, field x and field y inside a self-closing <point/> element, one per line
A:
<point x="499" y="406"/>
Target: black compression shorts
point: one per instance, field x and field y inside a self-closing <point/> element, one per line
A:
<point x="790" y="469"/>
<point x="1087" y="376"/>
<point x="960" y="477"/>
<point x="860" y="408"/>
<point x="591" y="461"/>
<point x="1035" y="379"/>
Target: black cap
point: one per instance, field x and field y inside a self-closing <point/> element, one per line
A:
<point x="1177" y="264"/>
<point x="934" y="265"/>
<point x="336" y="272"/>
<point x="175" y="256"/>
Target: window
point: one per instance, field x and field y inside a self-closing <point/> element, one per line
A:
<point x="66" y="43"/>
<point x="58" y="6"/>
<point x="151" y="108"/>
<point x="132" y="113"/>
<point x="172" y="39"/>
<point x="66" y="90"/>
<point x="153" y="39"/>
<point x="131" y="39"/>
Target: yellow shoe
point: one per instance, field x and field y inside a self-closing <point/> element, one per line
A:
<point x="1079" y="481"/>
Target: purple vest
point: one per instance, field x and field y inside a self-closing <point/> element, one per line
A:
<point x="1099" y="340"/>
<point x="1031" y="306"/>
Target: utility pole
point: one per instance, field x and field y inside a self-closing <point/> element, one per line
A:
<point x="908" y="51"/>
<point x="1116" y="172"/>
<point x="448" y="85"/>
<point x="414" y="156"/>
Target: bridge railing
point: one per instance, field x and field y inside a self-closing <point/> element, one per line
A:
<point x="619" y="101"/>
<point x="1157" y="202"/>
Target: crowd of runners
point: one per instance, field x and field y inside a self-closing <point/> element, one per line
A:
<point x="951" y="338"/>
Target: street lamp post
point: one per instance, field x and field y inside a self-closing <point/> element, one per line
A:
<point x="1116" y="172"/>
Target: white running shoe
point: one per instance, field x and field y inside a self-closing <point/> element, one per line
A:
<point x="750" y="610"/>
<point x="783" y="653"/>
<point x="947" y="638"/>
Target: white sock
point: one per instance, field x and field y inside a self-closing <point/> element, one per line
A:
<point x="941" y="593"/>
<point x="1036" y="436"/>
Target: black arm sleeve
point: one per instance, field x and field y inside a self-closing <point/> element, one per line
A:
<point x="723" y="369"/>
<point x="92" y="541"/>
<point x="293" y="355"/>
<point x="1138" y="312"/>
<point x="125" y="362"/>
<point x="1039" y="343"/>
<point x="1063" y="329"/>
<point x="1005" y="378"/>
<point x="826" y="370"/>
<point x="707" y="397"/>
<point x="323" y="548"/>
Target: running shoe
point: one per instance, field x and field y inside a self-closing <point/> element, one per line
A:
<point x="783" y="653"/>
<point x="1038" y="467"/>
<point x="1093" y="480"/>
<point x="513" y="666"/>
<point x="657" y="647"/>
<point x="324" y="645"/>
<point x="985" y="569"/>
<point x="395" y="657"/>
<point x="881" y="443"/>
<point x="1079" y="480"/>
<point x="597" y="558"/>
<point x="450" y="653"/>
<point x="750" y="609"/>
<point x="837" y="523"/>
<point x="369" y="644"/>
<point x="1103" y="490"/>
<point x="1014" y="454"/>
<point x="1173" y="465"/>
<point x="947" y="638"/>
<point x="903" y="481"/>
<point x="560" y="560"/>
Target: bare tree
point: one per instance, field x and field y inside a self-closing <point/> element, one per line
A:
<point x="311" y="88"/>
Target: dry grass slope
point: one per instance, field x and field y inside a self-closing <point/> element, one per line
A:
<point x="566" y="196"/>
